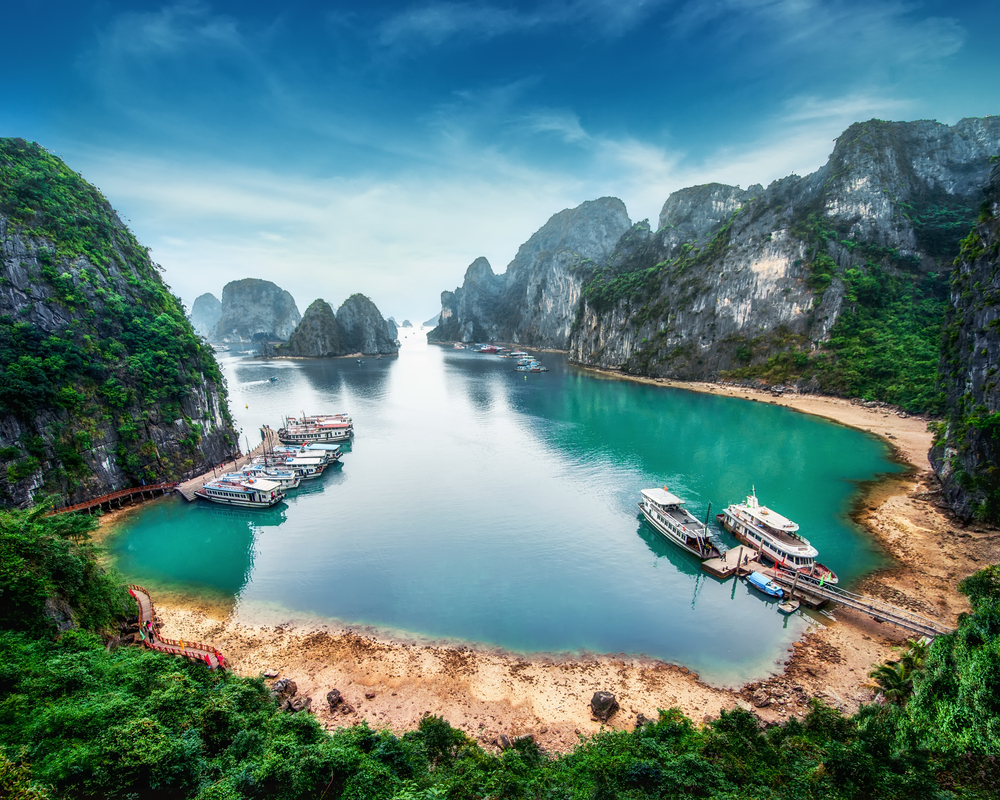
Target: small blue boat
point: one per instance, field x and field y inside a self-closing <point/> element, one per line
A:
<point x="764" y="584"/>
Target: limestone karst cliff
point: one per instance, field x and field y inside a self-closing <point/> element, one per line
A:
<point x="317" y="335"/>
<point x="103" y="382"/>
<point x="205" y="313"/>
<point x="357" y="327"/>
<point x="535" y="299"/>
<point x="253" y="307"/>
<point x="836" y="280"/>
<point x="966" y="454"/>
<point x="362" y="327"/>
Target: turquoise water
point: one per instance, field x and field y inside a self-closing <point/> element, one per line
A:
<point x="484" y="505"/>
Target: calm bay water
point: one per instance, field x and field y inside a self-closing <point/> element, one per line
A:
<point x="480" y="504"/>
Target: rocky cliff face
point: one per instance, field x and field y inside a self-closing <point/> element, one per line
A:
<point x="392" y="328"/>
<point x="317" y="335"/>
<point x="535" y="300"/>
<point x="966" y="454"/>
<point x="735" y="279"/>
<point x="205" y="313"/>
<point x="103" y="383"/>
<point x="251" y="307"/>
<point x="362" y="327"/>
<point x="836" y="281"/>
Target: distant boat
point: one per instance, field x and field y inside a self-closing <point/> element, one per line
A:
<point x="764" y="584"/>
<point x="360" y="361"/>
<point x="220" y="348"/>
<point x="273" y="378"/>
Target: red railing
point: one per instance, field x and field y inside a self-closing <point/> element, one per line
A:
<point x="195" y="651"/>
<point x="99" y="501"/>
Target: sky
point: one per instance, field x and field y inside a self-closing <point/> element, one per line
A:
<point x="381" y="147"/>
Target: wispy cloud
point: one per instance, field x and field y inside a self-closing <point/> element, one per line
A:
<point x="434" y="23"/>
<point x="879" y="32"/>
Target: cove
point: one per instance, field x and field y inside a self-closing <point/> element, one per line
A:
<point x="482" y="505"/>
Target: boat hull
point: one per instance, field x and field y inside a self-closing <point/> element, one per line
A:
<point x="770" y="556"/>
<point x="686" y="543"/>
<point x="314" y="437"/>
<point x="242" y="503"/>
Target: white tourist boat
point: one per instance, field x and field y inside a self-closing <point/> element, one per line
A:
<point x="245" y="492"/>
<point x="775" y="537"/>
<point x="306" y="468"/>
<point x="320" y="428"/>
<point x="666" y="513"/>
<point x="285" y="478"/>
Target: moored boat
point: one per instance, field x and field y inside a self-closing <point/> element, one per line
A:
<point x="246" y="492"/>
<point x="775" y="537"/>
<point x="764" y="584"/>
<point x="285" y="478"/>
<point x="666" y="513"/>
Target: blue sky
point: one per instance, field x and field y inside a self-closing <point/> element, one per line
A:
<point x="381" y="147"/>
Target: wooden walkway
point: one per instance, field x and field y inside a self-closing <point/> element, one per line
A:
<point x="876" y="609"/>
<point x="123" y="494"/>
<point x="193" y="651"/>
<point x="188" y="488"/>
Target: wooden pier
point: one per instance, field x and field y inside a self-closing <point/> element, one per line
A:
<point x="738" y="561"/>
<point x="115" y="499"/>
<point x="189" y="487"/>
<point x="150" y="637"/>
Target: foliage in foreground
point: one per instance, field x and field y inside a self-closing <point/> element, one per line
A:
<point x="80" y="721"/>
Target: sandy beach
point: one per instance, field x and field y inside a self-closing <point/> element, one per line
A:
<point x="391" y="683"/>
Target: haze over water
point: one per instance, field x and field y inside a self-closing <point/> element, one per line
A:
<point x="480" y="504"/>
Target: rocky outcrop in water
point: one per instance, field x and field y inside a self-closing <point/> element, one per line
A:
<point x="255" y="308"/>
<point x="406" y="324"/>
<point x="535" y="300"/>
<point x="362" y="327"/>
<point x="205" y="313"/>
<point x="103" y="382"/>
<point x="392" y="329"/>
<point x="357" y="327"/>
<point x="966" y="454"/>
<point x="433" y="321"/>
<point x="317" y="335"/>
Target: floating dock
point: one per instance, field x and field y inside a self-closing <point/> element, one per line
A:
<point x="738" y="561"/>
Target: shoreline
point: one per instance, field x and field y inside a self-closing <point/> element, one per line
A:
<point x="391" y="682"/>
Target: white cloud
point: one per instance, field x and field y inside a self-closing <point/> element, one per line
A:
<point x="434" y="23"/>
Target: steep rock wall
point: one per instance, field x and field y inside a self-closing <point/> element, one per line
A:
<point x="966" y="454"/>
<point x="733" y="278"/>
<point x="103" y="382"/>
<point x="317" y="335"/>
<point x="535" y="300"/>
<point x="363" y="329"/>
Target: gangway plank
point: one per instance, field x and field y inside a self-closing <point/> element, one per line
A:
<point x="877" y="609"/>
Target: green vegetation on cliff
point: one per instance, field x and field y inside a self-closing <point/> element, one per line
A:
<point x="91" y="340"/>
<point x="79" y="719"/>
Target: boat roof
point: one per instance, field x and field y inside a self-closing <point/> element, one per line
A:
<point x="243" y="484"/>
<point x="662" y="496"/>
<point x="767" y="516"/>
<point x="759" y="578"/>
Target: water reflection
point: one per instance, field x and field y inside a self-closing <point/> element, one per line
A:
<point x="219" y="556"/>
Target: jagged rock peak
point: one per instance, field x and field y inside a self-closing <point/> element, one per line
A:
<point x="697" y="210"/>
<point x="205" y="313"/>
<point x="362" y="327"/>
<point x="253" y="306"/>
<point x="590" y="231"/>
<point x="317" y="335"/>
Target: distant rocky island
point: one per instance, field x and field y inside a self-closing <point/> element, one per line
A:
<point x="254" y="310"/>
<point x="205" y="314"/>
<point x="357" y="328"/>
